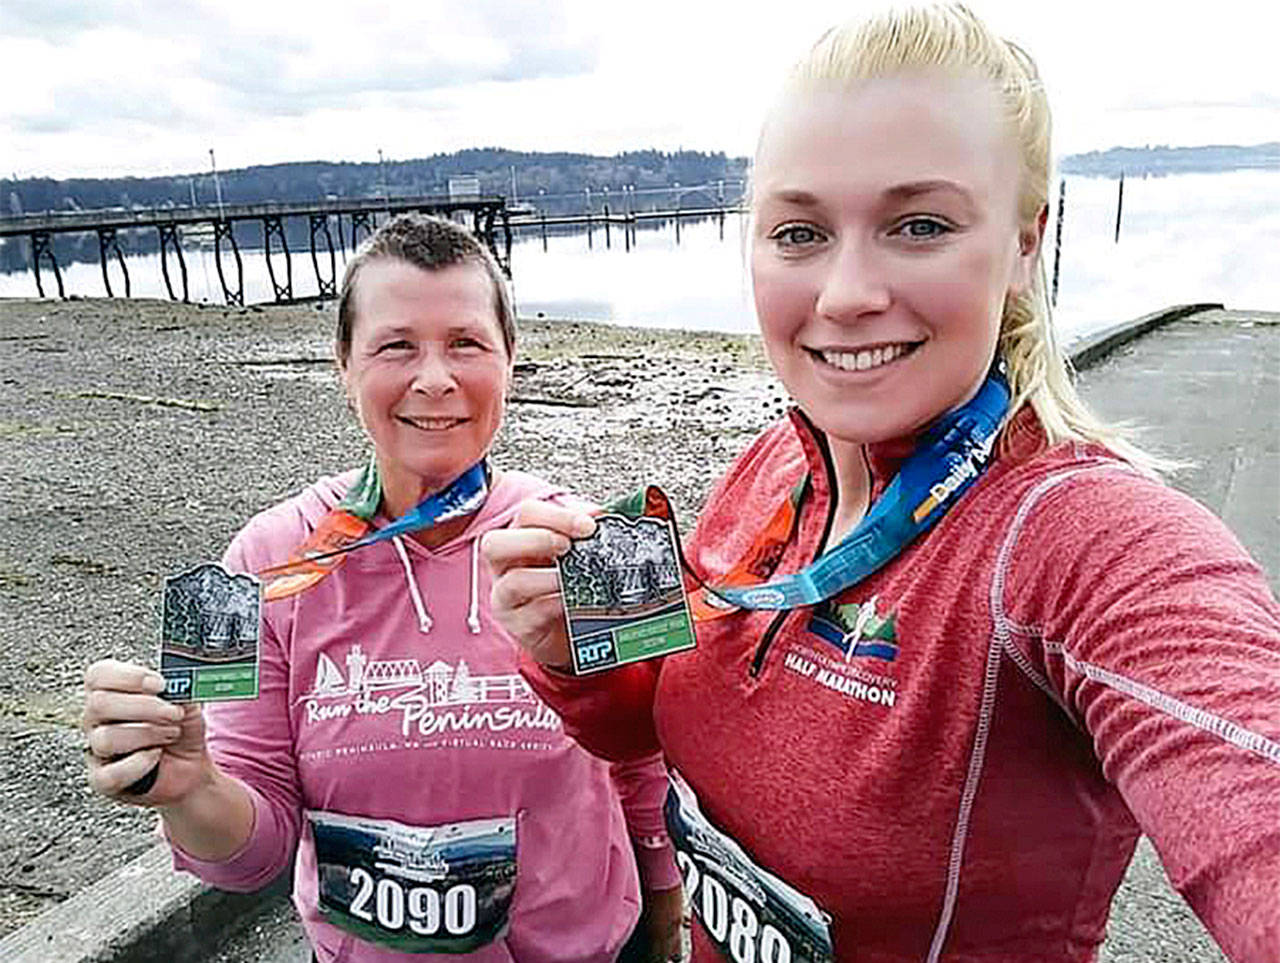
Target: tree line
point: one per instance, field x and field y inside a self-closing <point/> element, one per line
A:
<point x="1161" y="160"/>
<point x="532" y="174"/>
<point x="557" y="183"/>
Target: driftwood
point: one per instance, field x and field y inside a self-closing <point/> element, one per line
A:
<point x="149" y="400"/>
<point x="555" y="402"/>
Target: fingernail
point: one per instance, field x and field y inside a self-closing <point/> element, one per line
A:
<point x="153" y="682"/>
<point x="583" y="526"/>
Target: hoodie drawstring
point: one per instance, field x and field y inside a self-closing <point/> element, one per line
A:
<point x="419" y="603"/>
<point x="473" y="613"/>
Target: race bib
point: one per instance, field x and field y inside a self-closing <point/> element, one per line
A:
<point x="416" y="889"/>
<point x="750" y="915"/>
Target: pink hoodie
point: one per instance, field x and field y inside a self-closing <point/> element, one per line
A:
<point x="387" y="692"/>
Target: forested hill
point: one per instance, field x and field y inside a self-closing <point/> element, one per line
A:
<point x="557" y="175"/>
<point x="1172" y="160"/>
<point x="556" y="181"/>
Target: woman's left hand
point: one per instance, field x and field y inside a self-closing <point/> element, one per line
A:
<point x="663" y="920"/>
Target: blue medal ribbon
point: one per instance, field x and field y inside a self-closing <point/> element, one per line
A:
<point x="462" y="496"/>
<point x="950" y="456"/>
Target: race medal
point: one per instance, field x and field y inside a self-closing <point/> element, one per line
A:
<point x="746" y="911"/>
<point x="209" y="635"/>
<point x="623" y="594"/>
<point x="416" y="889"/>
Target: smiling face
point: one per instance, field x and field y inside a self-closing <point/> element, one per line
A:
<point x="427" y="372"/>
<point x="884" y="241"/>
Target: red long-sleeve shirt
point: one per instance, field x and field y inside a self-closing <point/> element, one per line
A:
<point x="1074" y="655"/>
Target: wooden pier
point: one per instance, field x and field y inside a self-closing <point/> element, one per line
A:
<point x="628" y="221"/>
<point x="488" y="216"/>
<point x="491" y="217"/>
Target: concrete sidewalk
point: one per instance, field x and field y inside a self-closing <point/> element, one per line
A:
<point x="1205" y="381"/>
<point x="1205" y="390"/>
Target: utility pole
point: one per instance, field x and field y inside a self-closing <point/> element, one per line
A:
<point x="1119" y="206"/>
<point x="217" y="185"/>
<point x="383" y="168"/>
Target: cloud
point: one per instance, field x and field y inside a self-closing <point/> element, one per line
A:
<point x="56" y="20"/>
<point x="151" y="75"/>
<point x="147" y="84"/>
<point x="276" y="70"/>
<point x="1255" y="100"/>
<point x="90" y="108"/>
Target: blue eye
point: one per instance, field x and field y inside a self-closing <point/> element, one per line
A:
<point x="922" y="228"/>
<point x="796" y="235"/>
<point x="400" y="344"/>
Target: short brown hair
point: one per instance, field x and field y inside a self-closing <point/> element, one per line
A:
<point x="431" y="243"/>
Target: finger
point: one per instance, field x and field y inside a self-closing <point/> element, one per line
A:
<point x="103" y="706"/>
<point x="123" y="677"/>
<point x="121" y="739"/>
<point x="572" y="521"/>
<point x="526" y="602"/>
<point x="111" y="778"/>
<point x="508" y="548"/>
<point x="521" y="586"/>
<point x="192" y="725"/>
<point x="539" y="629"/>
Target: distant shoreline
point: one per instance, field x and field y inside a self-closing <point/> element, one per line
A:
<point x="1162" y="161"/>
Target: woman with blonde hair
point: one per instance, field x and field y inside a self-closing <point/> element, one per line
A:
<point x="960" y="646"/>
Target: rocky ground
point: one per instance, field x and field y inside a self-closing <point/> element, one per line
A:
<point x="136" y="437"/>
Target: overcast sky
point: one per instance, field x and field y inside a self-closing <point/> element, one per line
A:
<point x="94" y="87"/>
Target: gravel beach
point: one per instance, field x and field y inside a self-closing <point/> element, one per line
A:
<point x="137" y="436"/>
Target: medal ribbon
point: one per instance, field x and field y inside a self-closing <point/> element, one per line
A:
<point x="949" y="458"/>
<point x="349" y="526"/>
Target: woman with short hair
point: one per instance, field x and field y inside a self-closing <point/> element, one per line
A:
<point x="435" y="802"/>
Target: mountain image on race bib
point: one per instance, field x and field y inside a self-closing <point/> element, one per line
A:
<point x="416" y="889"/>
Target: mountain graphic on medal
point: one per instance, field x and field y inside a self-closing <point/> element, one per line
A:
<point x="443" y="684"/>
<point x="211" y="615"/>
<point x="627" y="565"/>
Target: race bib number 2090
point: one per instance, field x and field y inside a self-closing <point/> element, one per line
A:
<point x="416" y="889"/>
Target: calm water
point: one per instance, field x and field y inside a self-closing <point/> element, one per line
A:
<point x="1193" y="237"/>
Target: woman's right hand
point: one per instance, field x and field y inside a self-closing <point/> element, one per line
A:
<point x="130" y="730"/>
<point x="525" y="597"/>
